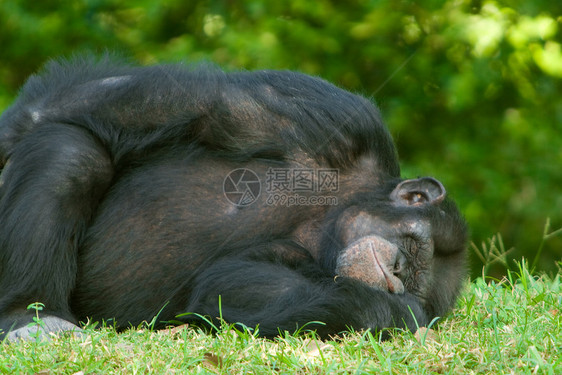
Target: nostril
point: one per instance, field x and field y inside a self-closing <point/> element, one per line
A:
<point x="399" y="265"/>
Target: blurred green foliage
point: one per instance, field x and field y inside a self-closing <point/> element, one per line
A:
<point x="471" y="90"/>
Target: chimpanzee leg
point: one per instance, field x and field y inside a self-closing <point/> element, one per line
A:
<point x="48" y="193"/>
<point x="276" y="298"/>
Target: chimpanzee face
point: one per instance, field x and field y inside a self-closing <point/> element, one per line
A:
<point x="390" y="245"/>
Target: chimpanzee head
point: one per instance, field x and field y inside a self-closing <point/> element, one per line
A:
<point x="396" y="238"/>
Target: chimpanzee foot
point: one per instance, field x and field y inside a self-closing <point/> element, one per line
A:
<point x="50" y="325"/>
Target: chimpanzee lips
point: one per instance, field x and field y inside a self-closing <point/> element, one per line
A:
<point x="371" y="260"/>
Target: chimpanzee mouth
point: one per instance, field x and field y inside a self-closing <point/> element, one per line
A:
<point x="371" y="259"/>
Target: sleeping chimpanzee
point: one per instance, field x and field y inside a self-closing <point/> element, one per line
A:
<point x="133" y="192"/>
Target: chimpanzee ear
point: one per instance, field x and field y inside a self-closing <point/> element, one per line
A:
<point x="418" y="192"/>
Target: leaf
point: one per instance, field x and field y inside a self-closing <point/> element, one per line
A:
<point x="424" y="334"/>
<point x="212" y="361"/>
<point x="314" y="347"/>
<point x="175" y="330"/>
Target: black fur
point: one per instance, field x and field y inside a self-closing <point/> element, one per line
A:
<point x="112" y="204"/>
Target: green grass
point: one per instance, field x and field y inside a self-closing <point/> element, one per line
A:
<point x="512" y="326"/>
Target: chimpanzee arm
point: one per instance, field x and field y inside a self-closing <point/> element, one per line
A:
<point x="48" y="193"/>
<point x="276" y="298"/>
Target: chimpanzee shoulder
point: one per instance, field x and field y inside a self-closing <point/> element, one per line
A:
<point x="150" y="106"/>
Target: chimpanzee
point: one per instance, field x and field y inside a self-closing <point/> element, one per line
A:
<point x="268" y="198"/>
